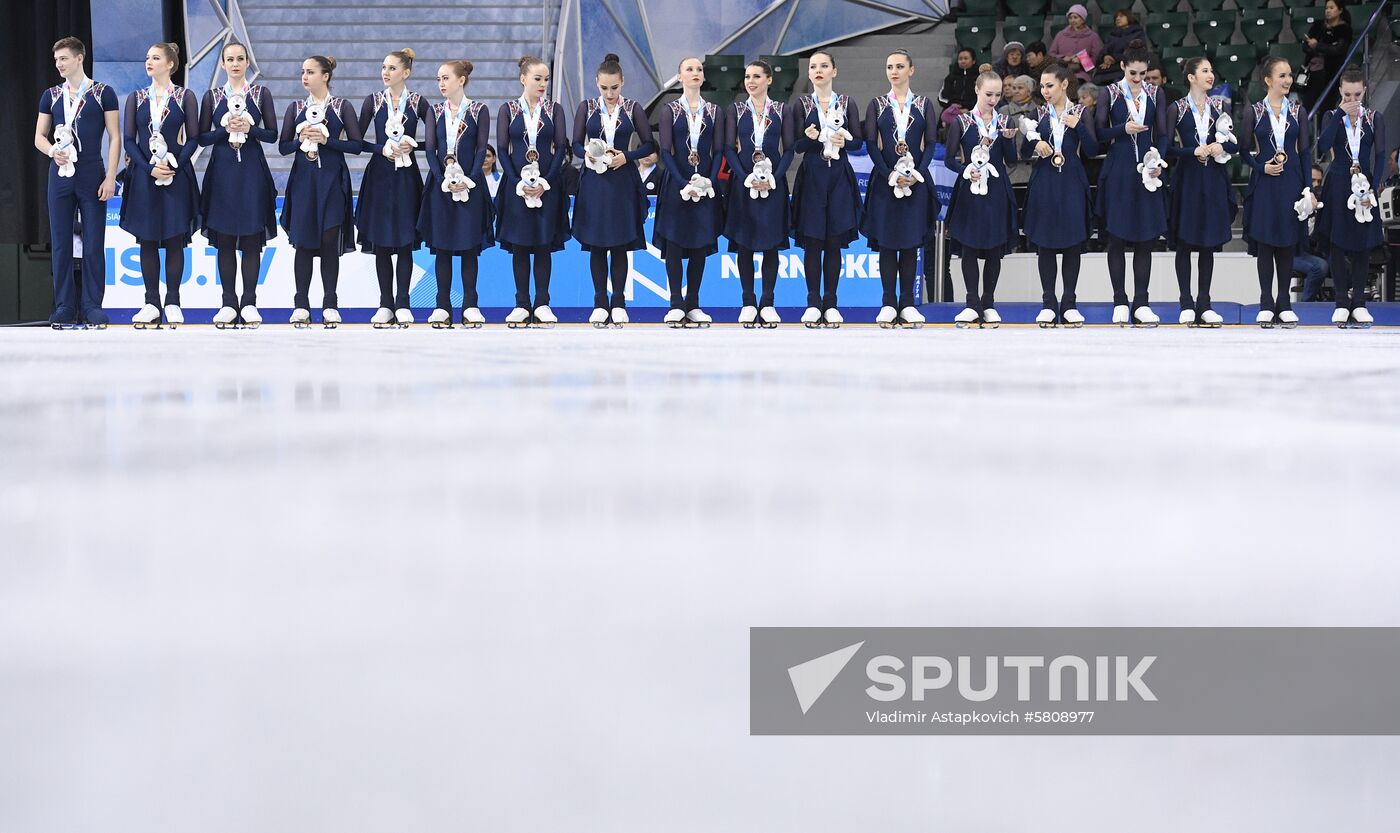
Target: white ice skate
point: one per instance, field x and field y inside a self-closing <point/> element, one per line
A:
<point x="545" y="317"/>
<point x="599" y="318"/>
<point x="1145" y="317"/>
<point x="404" y="317"/>
<point x="440" y="319"/>
<point x="330" y="318"/>
<point x="174" y="316"/>
<point x="1187" y="318"/>
<point x="620" y="317"/>
<point x="147" y="316"/>
<point x="991" y="318"/>
<point x="965" y="319"/>
<point x="911" y="317"/>
<point x="1340" y="317"/>
<point x="472" y="318"/>
<point x="1264" y="319"/>
<point x="1074" y="318"/>
<point x="517" y="318"/>
<point x="675" y="318"/>
<point x="382" y="319"/>
<point x="1211" y="318"/>
<point x="887" y="318"/>
<point x="812" y="318"/>
<point x="252" y="319"/>
<point x="1288" y="319"/>
<point x="769" y="318"/>
<point x="832" y="318"/>
<point x="225" y="317"/>
<point x="1120" y="315"/>
<point x="1046" y="318"/>
<point x="1361" y="318"/>
<point x="697" y="318"/>
<point x="301" y="318"/>
<point x="748" y="316"/>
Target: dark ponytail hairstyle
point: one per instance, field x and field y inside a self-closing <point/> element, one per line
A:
<point x="1061" y="73"/>
<point x="1192" y="64"/>
<point x="611" y="65"/>
<point x="1266" y="66"/>
<point x="761" y="64"/>
<point x="327" y="65"/>
<point x="1352" y="75"/>
<point x="1136" y="56"/>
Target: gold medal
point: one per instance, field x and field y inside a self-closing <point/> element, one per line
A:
<point x="986" y="141"/>
<point x="694" y="159"/>
<point x="532" y="155"/>
<point x="1280" y="158"/>
<point x="1058" y="160"/>
<point x="1355" y="169"/>
<point x="901" y="147"/>
<point x="757" y="157"/>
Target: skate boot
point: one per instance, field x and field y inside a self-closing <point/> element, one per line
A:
<point x="252" y="319"/>
<point x="1074" y="318"/>
<point x="620" y="317"/>
<point x="1340" y="317"/>
<point x="1210" y="318"/>
<point x="383" y="318"/>
<point x="225" y="317"/>
<point x="64" y="318"/>
<point x="518" y="318"/>
<point x="698" y="318"/>
<point x="748" y="316"/>
<point x="812" y="318"/>
<point x="301" y="318"/>
<point x="599" y="318"/>
<point x="887" y="318"/>
<point x="832" y="318"/>
<point x="966" y="318"/>
<point x="1120" y="315"/>
<point x="330" y="318"/>
<point x="545" y="318"/>
<point x="147" y="316"/>
<point x="1288" y="319"/>
<point x="472" y="318"/>
<point x="911" y="317"/>
<point x="769" y="318"/>
<point x="404" y="318"/>
<point x="96" y="319"/>
<point x="1046" y="318"/>
<point x="174" y="316"/>
<point x="991" y="318"/>
<point x="1187" y="318"/>
<point x="1265" y="319"/>
<point x="1360" y="317"/>
<point x="675" y="318"/>
<point x="1145" y="317"/>
<point x="440" y="319"/>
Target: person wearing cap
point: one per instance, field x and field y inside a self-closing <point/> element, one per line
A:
<point x="1075" y="38"/>
<point x="1012" y="62"/>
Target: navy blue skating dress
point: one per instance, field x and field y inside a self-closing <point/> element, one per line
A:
<point x="611" y="208"/>
<point x="519" y="228"/>
<point x="448" y="226"/>
<point x="239" y="196"/>
<point x="1059" y="214"/>
<point x="1201" y="203"/>
<point x="682" y="224"/>
<point x="1336" y="224"/>
<point x="1126" y="209"/>
<point x="318" y="196"/>
<point x="387" y="213"/>
<point x="758" y="224"/>
<point x="986" y="221"/>
<point x="1269" y="216"/>
<point x="825" y="195"/>
<point x="893" y="223"/>
<point x="155" y="213"/>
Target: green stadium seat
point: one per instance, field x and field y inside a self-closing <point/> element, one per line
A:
<point x="1303" y="19"/>
<point x="1360" y="14"/>
<point x="1292" y="51"/>
<point x="723" y="76"/>
<point x="1172" y="59"/>
<point x="1105" y="25"/>
<point x="1167" y="29"/>
<point x="980" y="7"/>
<point x="1024" y="29"/>
<point x="1025" y="8"/>
<point x="1215" y="28"/>
<point x="976" y="33"/>
<point x="1262" y="26"/>
<point x="1234" y="62"/>
<point x="786" y="72"/>
<point x="1060" y="7"/>
<point x="1251" y="5"/>
<point x="1199" y="6"/>
<point x="1160" y="6"/>
<point x="1395" y="28"/>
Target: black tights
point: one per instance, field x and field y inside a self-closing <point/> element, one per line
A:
<point x="897" y="269"/>
<point x="385" y="267"/>
<point x="821" y="261"/>
<point x="990" y="273"/>
<point x="1271" y="260"/>
<point x="229" y="247"/>
<point x="444" y="280"/>
<point x="1045" y="260"/>
<point x="770" y="277"/>
<point x="329" y="253"/>
<point x="1118" y="270"/>
<point x="598" y="264"/>
<point x="1205" y="265"/>
<point x="694" y="273"/>
<point x="1350" y="271"/>
<point x="544" y="268"/>
<point x="174" y="270"/>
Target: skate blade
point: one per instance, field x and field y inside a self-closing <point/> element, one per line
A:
<point x="1290" y="326"/>
<point x="966" y="325"/>
<point x="890" y="325"/>
<point x="832" y="326"/>
<point x="992" y="326"/>
<point x="769" y="325"/>
<point x="147" y="326"/>
<point x="383" y="326"/>
<point x="441" y="325"/>
<point x="911" y="325"/>
<point x="1141" y="326"/>
<point x="750" y="325"/>
<point x="616" y="326"/>
<point x="471" y="325"/>
<point x="676" y="325"/>
<point x="325" y="326"/>
<point x="1045" y="326"/>
<point x="601" y="325"/>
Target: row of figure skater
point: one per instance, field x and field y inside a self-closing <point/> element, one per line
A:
<point x="1149" y="144"/>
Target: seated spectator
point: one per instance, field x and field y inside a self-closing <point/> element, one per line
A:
<point x="959" y="88"/>
<point x="1312" y="267"/>
<point x="1013" y="60"/>
<point x="1037" y="59"/>
<point x="1158" y="78"/>
<point x="1077" y="43"/>
<point x="1017" y="105"/>
<point x="1127" y="34"/>
<point x="1107" y="72"/>
<point x="1089" y="97"/>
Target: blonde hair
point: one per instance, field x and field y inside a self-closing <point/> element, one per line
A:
<point x="405" y="56"/>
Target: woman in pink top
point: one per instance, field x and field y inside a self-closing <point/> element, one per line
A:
<point x="1076" y="38"/>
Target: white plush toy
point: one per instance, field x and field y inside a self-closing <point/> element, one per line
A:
<point x="904" y="169"/>
<point x="393" y="128"/>
<point x="835" y="126"/>
<point x="237" y="106"/>
<point x="1030" y="130"/>
<point x="1224" y="127"/>
<point x="452" y="176"/>
<point x="1306" y="205"/>
<point x="160" y="152"/>
<point x="697" y="189"/>
<point x="596" y="155"/>
<point x="981" y="162"/>
<point x="762" y="172"/>
<point x="313" y="116"/>
<point x="530" y="178"/>
<point x="63" y="143"/>
<point x="1362" y="198"/>
<point x="1151" y="161"/>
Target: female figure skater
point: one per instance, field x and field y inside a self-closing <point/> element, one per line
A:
<point x="160" y="206"/>
<point x="982" y="212"/>
<point x="758" y="138"/>
<point x="900" y="209"/>
<point x="1202" y="203"/>
<point x="825" y="197"/>
<point x="239" y="197"/>
<point x="1279" y="152"/>
<point x="317" y="209"/>
<point x="456" y="132"/>
<point x="687" y="210"/>
<point x="1132" y="203"/>
<point x="611" y="206"/>
<point x="533" y="221"/>
<point x="1356" y="138"/>
<point x="1058" y="211"/>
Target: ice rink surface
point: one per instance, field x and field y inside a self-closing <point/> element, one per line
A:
<point x="256" y="582"/>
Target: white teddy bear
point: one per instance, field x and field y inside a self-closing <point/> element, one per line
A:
<point x="1306" y="205"/>
<point x="762" y="172"/>
<point x="835" y="126"/>
<point x="530" y="178"/>
<point x="394" y="129"/>
<point x="452" y="176"/>
<point x="237" y="107"/>
<point x="63" y="143"/>
<point x="1224" y="127"/>
<point x="904" y="169"/>
<point x="981" y="162"/>
<point x="697" y="189"/>
<point x="1362" y="198"/>
<point x="1031" y="131"/>
<point x="596" y="155"/>
<point x="160" y="152"/>
<point x="1151" y="161"/>
<point x="313" y="116"/>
